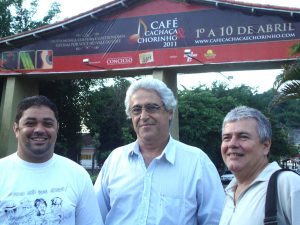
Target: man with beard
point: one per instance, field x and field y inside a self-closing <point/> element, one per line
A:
<point x="34" y="171"/>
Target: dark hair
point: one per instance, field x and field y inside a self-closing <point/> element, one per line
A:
<point x="38" y="201"/>
<point x="38" y="100"/>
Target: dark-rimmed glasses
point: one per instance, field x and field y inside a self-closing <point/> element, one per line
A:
<point x="149" y="108"/>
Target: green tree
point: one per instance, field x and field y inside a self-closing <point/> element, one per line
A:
<point x="286" y="102"/>
<point x="200" y="120"/>
<point x="287" y="113"/>
<point x="287" y="84"/>
<point x="6" y="16"/>
<point x="202" y="110"/>
<point x="70" y="96"/>
<point x="282" y="146"/>
<point x="104" y="114"/>
<point x="15" y="18"/>
<point x="23" y="21"/>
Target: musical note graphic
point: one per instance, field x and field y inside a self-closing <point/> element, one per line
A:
<point x="134" y="38"/>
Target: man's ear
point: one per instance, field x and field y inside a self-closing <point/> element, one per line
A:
<point x="16" y="129"/>
<point x="170" y="115"/>
<point x="267" y="147"/>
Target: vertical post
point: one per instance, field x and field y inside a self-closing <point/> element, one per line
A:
<point x="14" y="89"/>
<point x="2" y="82"/>
<point x="170" y="79"/>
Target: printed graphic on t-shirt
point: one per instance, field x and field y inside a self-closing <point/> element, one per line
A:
<point x="35" y="207"/>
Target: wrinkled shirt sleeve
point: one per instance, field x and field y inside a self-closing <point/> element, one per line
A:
<point x="102" y="193"/>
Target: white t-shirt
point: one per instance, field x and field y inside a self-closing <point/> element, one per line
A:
<point x="58" y="191"/>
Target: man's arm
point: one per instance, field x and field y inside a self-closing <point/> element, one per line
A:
<point x="211" y="195"/>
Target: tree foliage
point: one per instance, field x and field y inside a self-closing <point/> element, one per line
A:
<point x="70" y="96"/>
<point x="15" y="18"/>
<point x="201" y="113"/>
<point x="287" y="84"/>
<point x="6" y="17"/>
<point x="104" y="114"/>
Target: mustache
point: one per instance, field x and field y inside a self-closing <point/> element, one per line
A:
<point x="39" y="135"/>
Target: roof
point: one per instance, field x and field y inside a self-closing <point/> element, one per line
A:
<point x="118" y="5"/>
<point x="248" y="6"/>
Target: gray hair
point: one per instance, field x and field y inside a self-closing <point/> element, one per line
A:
<point x="244" y="112"/>
<point x="165" y="93"/>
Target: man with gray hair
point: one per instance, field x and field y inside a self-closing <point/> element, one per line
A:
<point x="246" y="143"/>
<point x="156" y="179"/>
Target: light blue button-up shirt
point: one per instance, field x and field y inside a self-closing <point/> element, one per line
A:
<point x="181" y="186"/>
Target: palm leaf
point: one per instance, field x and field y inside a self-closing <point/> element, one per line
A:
<point x="295" y="49"/>
<point x="287" y="84"/>
<point x="290" y="90"/>
<point x="291" y="72"/>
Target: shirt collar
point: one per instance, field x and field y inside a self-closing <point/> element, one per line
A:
<point x="168" y="153"/>
<point x="264" y="175"/>
<point x="267" y="172"/>
<point x="133" y="150"/>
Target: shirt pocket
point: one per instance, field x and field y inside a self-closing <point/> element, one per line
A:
<point x="170" y="210"/>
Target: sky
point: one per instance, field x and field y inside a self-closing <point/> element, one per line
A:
<point x="260" y="80"/>
<point x="73" y="7"/>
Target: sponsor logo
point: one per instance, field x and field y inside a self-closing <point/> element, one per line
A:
<point x="210" y="54"/>
<point x="189" y="57"/>
<point x="146" y="57"/>
<point x="119" y="60"/>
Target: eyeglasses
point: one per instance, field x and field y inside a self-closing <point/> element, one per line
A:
<point x="149" y="108"/>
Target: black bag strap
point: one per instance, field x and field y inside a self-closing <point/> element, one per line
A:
<point x="271" y="198"/>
